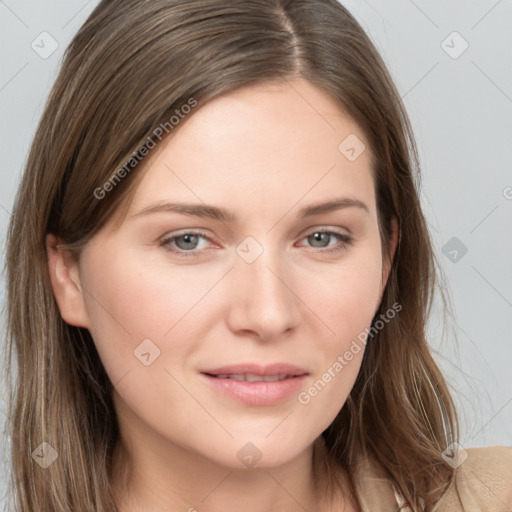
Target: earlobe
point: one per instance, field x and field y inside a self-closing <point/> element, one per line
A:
<point x="65" y="279"/>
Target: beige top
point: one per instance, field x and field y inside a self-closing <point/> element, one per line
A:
<point x="483" y="482"/>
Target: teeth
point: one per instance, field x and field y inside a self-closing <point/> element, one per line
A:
<point x="250" y="377"/>
<point x="236" y="377"/>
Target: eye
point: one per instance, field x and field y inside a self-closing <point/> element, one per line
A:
<point x="184" y="244"/>
<point x="187" y="243"/>
<point x="322" y="237"/>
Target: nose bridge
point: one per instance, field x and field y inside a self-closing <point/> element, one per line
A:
<point x="263" y="300"/>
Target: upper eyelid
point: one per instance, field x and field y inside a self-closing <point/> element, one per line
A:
<point x="323" y="229"/>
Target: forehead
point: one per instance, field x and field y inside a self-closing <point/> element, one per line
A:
<point x="270" y="146"/>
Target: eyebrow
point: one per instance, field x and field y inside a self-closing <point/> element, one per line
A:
<point x="223" y="215"/>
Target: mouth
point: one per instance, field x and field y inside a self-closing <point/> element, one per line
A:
<point x="251" y="377"/>
<point x="255" y="372"/>
<point x="255" y="385"/>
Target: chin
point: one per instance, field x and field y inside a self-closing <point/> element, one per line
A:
<point x="260" y="453"/>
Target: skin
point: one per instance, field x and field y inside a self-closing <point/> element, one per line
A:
<point x="263" y="152"/>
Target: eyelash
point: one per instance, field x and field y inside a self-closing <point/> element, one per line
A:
<point x="345" y="242"/>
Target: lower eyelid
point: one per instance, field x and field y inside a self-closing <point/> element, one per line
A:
<point x="341" y="237"/>
<point x="343" y="241"/>
<point x="167" y="242"/>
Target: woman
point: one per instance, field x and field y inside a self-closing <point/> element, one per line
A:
<point x="220" y="276"/>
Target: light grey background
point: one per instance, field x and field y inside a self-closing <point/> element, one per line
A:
<point x="460" y="107"/>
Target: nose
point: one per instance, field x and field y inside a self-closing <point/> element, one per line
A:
<point x="262" y="298"/>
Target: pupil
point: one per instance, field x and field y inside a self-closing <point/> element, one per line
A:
<point x="189" y="239"/>
<point x="318" y="236"/>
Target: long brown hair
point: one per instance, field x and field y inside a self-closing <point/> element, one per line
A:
<point x="129" y="68"/>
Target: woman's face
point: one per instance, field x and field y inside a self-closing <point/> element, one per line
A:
<point x="253" y="286"/>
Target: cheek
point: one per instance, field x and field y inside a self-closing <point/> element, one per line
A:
<point x="345" y="297"/>
<point x="130" y="302"/>
<point x="135" y="299"/>
<point x="144" y="298"/>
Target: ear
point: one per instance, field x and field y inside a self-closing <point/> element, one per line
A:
<point x="386" y="268"/>
<point x="65" y="279"/>
<point x="392" y="248"/>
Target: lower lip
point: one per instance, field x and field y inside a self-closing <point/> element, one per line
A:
<point x="257" y="393"/>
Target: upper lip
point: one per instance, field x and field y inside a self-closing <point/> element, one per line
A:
<point x="255" y="369"/>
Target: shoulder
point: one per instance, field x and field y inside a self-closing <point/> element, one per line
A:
<point x="482" y="481"/>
